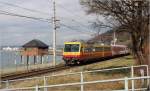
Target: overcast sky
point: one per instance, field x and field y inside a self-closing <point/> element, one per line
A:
<point x="17" y="31"/>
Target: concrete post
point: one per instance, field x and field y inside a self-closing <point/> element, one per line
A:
<point x="37" y="88"/>
<point x="126" y="84"/>
<point x="45" y="84"/>
<point x="7" y="84"/>
<point x="27" y="63"/>
<point x="142" y="74"/>
<point x="148" y="80"/>
<point x="21" y="59"/>
<point x="34" y="59"/>
<point x="82" y="87"/>
<point x="37" y="60"/>
<point x="42" y="59"/>
<point x="132" y="75"/>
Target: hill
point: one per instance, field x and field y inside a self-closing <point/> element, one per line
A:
<point x="106" y="38"/>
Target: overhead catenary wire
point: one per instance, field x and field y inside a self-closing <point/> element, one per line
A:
<point x="73" y="14"/>
<point x="41" y="19"/>
<point x="23" y="16"/>
<point x="27" y="9"/>
<point x="81" y="25"/>
<point x="35" y="18"/>
<point x="70" y="12"/>
<point x="31" y="10"/>
<point x="77" y="30"/>
<point x="36" y="11"/>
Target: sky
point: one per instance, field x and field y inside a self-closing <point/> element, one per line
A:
<point x="73" y="21"/>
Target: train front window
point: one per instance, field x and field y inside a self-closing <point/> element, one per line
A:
<point x="71" y="48"/>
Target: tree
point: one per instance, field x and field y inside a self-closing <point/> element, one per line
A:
<point x="131" y="16"/>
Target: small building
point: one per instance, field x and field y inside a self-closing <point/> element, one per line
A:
<point x="34" y="48"/>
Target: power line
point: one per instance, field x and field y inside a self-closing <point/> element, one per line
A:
<point x="73" y="15"/>
<point x="70" y="12"/>
<point x="77" y="30"/>
<point x="17" y="6"/>
<point x="23" y="16"/>
<point x="35" y="18"/>
<point x="31" y="10"/>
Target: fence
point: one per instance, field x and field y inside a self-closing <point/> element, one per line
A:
<point x="82" y="82"/>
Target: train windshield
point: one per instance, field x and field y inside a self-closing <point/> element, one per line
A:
<point x="71" y="48"/>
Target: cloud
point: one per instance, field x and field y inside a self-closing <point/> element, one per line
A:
<point x="17" y="31"/>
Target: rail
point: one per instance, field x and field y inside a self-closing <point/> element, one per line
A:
<point x="82" y="83"/>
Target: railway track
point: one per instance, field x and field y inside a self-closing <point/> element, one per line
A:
<point x="46" y="70"/>
<point x="34" y="72"/>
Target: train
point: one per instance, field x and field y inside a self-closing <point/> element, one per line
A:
<point x="80" y="52"/>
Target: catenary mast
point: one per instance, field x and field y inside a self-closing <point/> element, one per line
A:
<point x="54" y="32"/>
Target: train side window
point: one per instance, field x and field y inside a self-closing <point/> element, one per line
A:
<point x="85" y="49"/>
<point x="98" y="49"/>
<point x="107" y="49"/>
<point x="88" y="49"/>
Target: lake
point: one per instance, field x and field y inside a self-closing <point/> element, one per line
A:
<point x="11" y="59"/>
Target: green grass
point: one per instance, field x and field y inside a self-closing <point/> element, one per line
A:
<point x="113" y="63"/>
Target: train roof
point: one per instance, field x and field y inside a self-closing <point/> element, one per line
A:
<point x="86" y="44"/>
<point x="119" y="45"/>
<point x="95" y="45"/>
<point x="72" y="42"/>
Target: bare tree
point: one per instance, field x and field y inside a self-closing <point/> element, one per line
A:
<point x="131" y="16"/>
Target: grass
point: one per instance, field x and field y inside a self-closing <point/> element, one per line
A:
<point x="117" y="62"/>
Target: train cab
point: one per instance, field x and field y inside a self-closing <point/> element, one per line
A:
<point x="72" y="52"/>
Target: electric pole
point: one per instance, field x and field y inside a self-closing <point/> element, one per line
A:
<point x="54" y="33"/>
